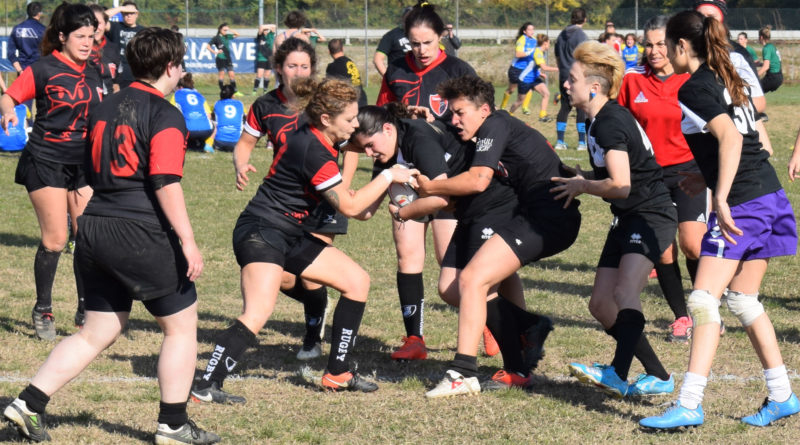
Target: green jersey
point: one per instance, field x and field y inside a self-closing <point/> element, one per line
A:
<point x="771" y="53"/>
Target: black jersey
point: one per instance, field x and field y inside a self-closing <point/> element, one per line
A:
<point x="303" y="168"/>
<point x="520" y="157"/>
<point x="136" y="136"/>
<point x="344" y="68"/>
<point x="703" y="98"/>
<point x="270" y="116"/>
<point x="106" y="58"/>
<point x="120" y="35"/>
<point x="65" y="93"/>
<point x="394" y="44"/>
<point x="406" y="83"/>
<point x="432" y="147"/>
<point x="615" y="128"/>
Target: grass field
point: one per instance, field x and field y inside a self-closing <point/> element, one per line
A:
<point x="115" y="400"/>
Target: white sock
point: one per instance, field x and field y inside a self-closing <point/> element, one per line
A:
<point x="691" y="395"/>
<point x="778" y="384"/>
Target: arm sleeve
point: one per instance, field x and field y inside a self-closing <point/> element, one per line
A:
<point x="385" y="45"/>
<point x="321" y="168"/>
<point x="612" y="136"/>
<point x="168" y="144"/>
<point x="24" y="87"/>
<point x="538" y="57"/>
<point x="702" y="102"/>
<point x="455" y="41"/>
<point x="252" y="124"/>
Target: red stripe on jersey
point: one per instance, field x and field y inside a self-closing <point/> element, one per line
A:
<point x="385" y="95"/>
<point x="423" y="71"/>
<point x="328" y="171"/>
<point x="253" y="121"/>
<point x="167" y="150"/>
<point x="139" y="85"/>
<point x="324" y="141"/>
<point x="24" y="88"/>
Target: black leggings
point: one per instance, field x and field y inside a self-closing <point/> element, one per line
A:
<point x="563" y="112"/>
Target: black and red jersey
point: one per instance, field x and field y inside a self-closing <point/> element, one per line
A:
<point x="65" y="93"/>
<point x="269" y="115"/>
<point x="406" y="83"/>
<point x="106" y="57"/>
<point x="303" y="168"/>
<point x="136" y="136"/>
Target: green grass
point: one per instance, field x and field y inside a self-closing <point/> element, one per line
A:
<point x="115" y="399"/>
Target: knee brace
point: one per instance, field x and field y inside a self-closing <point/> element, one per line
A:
<point x="703" y="307"/>
<point x="745" y="307"/>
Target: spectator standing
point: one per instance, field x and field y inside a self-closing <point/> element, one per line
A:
<point x="344" y="68"/>
<point x="450" y="42"/>
<point x="220" y="45"/>
<point x="567" y="41"/>
<point x="265" y="39"/>
<point x="630" y="54"/>
<point x="120" y="34"/>
<point x="393" y="45"/>
<point x="25" y="39"/>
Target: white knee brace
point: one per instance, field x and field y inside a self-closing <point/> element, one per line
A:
<point x="703" y="307"/>
<point x="745" y="307"/>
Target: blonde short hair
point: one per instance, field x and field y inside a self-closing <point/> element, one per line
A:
<point x="603" y="64"/>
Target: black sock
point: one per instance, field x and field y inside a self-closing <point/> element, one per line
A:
<point x="669" y="278"/>
<point x="79" y="286"/>
<point x="298" y="292"/>
<point x="233" y="84"/>
<point x="221" y="84"/>
<point x="173" y="414"/>
<point x="504" y="328"/>
<point x="229" y="348"/>
<point x="411" y="289"/>
<point x="629" y="326"/>
<point x="346" y="320"/>
<point x="266" y="84"/>
<point x="44" y="274"/>
<point x="34" y="398"/>
<point x="314" y="304"/>
<point x="467" y="365"/>
<point x="691" y="266"/>
<point x="256" y="82"/>
<point x="524" y="318"/>
<point x="646" y="356"/>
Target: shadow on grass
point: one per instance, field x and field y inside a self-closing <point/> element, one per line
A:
<point x="17" y="240"/>
<point x="585" y="396"/>
<point x="568" y="267"/>
<point x="579" y="290"/>
<point x="83" y="418"/>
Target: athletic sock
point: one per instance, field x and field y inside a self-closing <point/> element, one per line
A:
<point x="411" y="289"/>
<point x="467" y="365"/>
<point x="233" y="84"/>
<point x="542" y="113"/>
<point x="581" y="126"/>
<point x="526" y="102"/>
<point x="691" y="395"/>
<point x="79" y="286"/>
<point x="265" y="85"/>
<point x="691" y="266"/>
<point x="778" y="384"/>
<point x="221" y="84"/>
<point x="35" y="399"/>
<point x="506" y="98"/>
<point x="629" y="326"/>
<point x="45" y="264"/>
<point x="297" y="292"/>
<point x="172" y="414"/>
<point x="229" y="348"/>
<point x="523" y="318"/>
<point x="314" y="305"/>
<point x="561" y="129"/>
<point x="256" y="83"/>
<point x="646" y="356"/>
<point x="501" y="322"/>
<point x="346" y="320"/>
<point x="669" y="278"/>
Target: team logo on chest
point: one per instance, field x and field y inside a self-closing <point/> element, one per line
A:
<point x="437" y="104"/>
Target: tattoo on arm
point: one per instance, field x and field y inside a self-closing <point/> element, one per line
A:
<point x="332" y="198"/>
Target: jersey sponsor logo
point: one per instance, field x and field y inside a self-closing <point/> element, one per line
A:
<point x="636" y="238"/>
<point x="437" y="104"/>
<point x="484" y="144"/>
<point x="409" y="310"/>
<point x="487" y="233"/>
<point x="640" y="99"/>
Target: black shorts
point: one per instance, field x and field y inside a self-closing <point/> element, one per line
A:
<point x="224" y="146"/>
<point x="513" y="75"/>
<point x="224" y="64"/>
<point x="256" y="240"/>
<point x="263" y="64"/>
<point x="771" y="82"/>
<point x="197" y="139"/>
<point x="524" y="87"/>
<point x="469" y="237"/>
<point x="36" y="173"/>
<point x="647" y="233"/>
<point x="325" y="219"/>
<point x="533" y="234"/>
<point x="690" y="208"/>
<point x="121" y="260"/>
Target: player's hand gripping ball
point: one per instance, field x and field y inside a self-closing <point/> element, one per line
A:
<point x="403" y="194"/>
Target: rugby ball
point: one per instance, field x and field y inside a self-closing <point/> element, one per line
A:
<point x="402" y="195"/>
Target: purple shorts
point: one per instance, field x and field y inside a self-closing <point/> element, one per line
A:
<point x="768" y="227"/>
